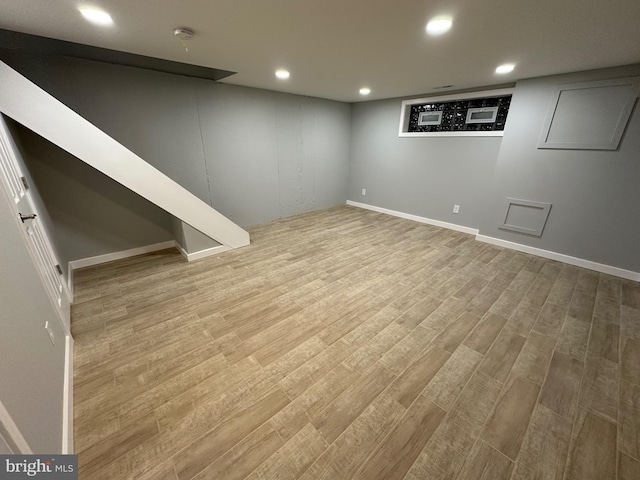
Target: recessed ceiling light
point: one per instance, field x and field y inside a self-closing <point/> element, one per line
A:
<point x="282" y="74"/>
<point x="506" y="68"/>
<point x="99" y="17"/>
<point x="439" y="25"/>
<point x="365" y="91"/>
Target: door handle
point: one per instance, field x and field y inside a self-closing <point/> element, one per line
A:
<point x="27" y="217"/>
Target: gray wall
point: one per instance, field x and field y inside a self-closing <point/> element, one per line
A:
<point x="152" y="114"/>
<point x="272" y="155"/>
<point x="423" y="176"/>
<point x="254" y="155"/>
<point x="91" y="214"/>
<point x="257" y="156"/>
<point x="595" y="194"/>
<point x="32" y="369"/>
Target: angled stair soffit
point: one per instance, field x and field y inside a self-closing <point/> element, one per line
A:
<point x="34" y="108"/>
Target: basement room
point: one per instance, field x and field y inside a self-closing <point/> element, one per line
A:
<point x="364" y="240"/>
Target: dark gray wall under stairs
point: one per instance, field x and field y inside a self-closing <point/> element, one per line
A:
<point x="91" y="213"/>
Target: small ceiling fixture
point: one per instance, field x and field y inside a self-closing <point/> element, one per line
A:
<point x="439" y="25"/>
<point x="184" y="34"/>
<point x="282" y="74"/>
<point x="365" y="91"/>
<point x="99" y="17"/>
<point x="506" y="68"/>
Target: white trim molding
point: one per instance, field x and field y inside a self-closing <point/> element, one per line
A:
<point x="11" y="433"/>
<point x="207" y="252"/>
<point x="67" y="408"/>
<point x="415" y="218"/>
<point x="132" y="252"/>
<point x="110" y="257"/>
<point x="561" y="257"/>
<point x="458" y="134"/>
<point x="70" y="281"/>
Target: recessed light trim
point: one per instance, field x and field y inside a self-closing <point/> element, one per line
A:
<point x="365" y="91"/>
<point x="282" y="74"/>
<point x="98" y="17"/>
<point x="505" y="68"/>
<point x="439" y="25"/>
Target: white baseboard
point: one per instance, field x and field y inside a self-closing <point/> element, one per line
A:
<point x="207" y="252"/>
<point x="67" y="406"/>
<point x="70" y="282"/>
<point x="415" y="218"/>
<point x="578" y="262"/>
<point x="132" y="252"/>
<point x="110" y="257"/>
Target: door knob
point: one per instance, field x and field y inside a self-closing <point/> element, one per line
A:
<point x="27" y="217"/>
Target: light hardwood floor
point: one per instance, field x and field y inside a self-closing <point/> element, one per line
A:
<point x="350" y="344"/>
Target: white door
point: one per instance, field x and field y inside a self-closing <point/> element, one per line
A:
<point x="40" y="246"/>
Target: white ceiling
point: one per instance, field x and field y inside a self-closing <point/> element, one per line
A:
<point x="334" y="47"/>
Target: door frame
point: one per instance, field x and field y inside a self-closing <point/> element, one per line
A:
<point x="10" y="167"/>
<point x="8" y="428"/>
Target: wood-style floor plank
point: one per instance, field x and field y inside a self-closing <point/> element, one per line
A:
<point x="339" y="414"/>
<point x="395" y="455"/>
<point x="592" y="454"/>
<point x="503" y="354"/>
<point x="246" y="456"/>
<point x="446" y="385"/>
<point x="508" y="424"/>
<point x="203" y="451"/>
<point x="406" y="388"/>
<point x="346" y="344"/>
<point x="629" y="417"/>
<point x="534" y="358"/>
<point x="545" y="447"/>
<point x="562" y="386"/>
<point x="485" y="333"/>
<point x="485" y="463"/>
<point x="628" y="468"/>
<point x="445" y="453"/>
